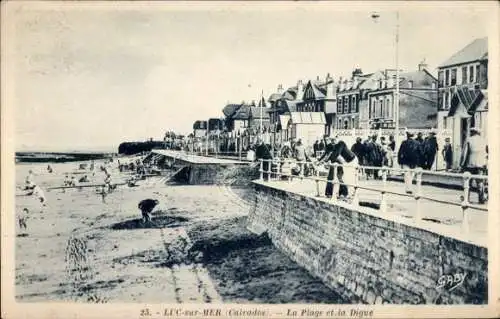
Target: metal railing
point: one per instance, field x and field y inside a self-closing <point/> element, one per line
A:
<point x="274" y="172"/>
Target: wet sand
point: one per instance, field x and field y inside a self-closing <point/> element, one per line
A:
<point x="196" y="250"/>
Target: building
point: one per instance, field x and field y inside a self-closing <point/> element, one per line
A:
<point x="215" y="126"/>
<point x="417" y="100"/>
<point x="462" y="93"/>
<point x="306" y="126"/>
<point x="281" y="104"/>
<point x="256" y="114"/>
<point x="352" y="109"/>
<point x="200" y="128"/>
<point x="320" y="97"/>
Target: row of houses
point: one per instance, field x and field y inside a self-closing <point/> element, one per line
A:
<point x="455" y="101"/>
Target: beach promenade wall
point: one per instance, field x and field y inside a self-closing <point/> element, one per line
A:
<point x="367" y="258"/>
<point x="216" y="174"/>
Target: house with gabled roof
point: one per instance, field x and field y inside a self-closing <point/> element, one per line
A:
<point x="462" y="94"/>
<point x="320" y="96"/>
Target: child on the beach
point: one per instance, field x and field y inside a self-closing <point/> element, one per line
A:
<point x="22" y="218"/>
<point x="38" y="193"/>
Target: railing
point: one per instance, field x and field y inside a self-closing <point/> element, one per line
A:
<point x="464" y="204"/>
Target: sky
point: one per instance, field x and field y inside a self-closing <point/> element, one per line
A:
<point x="91" y="76"/>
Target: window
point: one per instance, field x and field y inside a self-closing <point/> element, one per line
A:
<point x="372" y="111"/>
<point x="471" y="74"/>
<point x="380" y="83"/>
<point x="446" y="100"/>
<point x="464" y="75"/>
<point x="350" y="104"/>
<point x="454" y="76"/>
<point x="339" y="105"/>
<point x="410" y="84"/>
<point x="381" y="106"/>
<point x="387" y="106"/>
<point x="478" y="76"/>
<point x="346" y="105"/>
<point x="440" y="78"/>
<point x="447" y="82"/>
<point x="433" y="85"/>
<point x="355" y="106"/>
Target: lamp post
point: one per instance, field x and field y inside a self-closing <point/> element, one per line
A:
<point x="261" y="109"/>
<point x="375" y="16"/>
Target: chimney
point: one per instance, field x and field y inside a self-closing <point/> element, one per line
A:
<point x="422" y="66"/>
<point x="330" y="93"/>
<point x="341" y="84"/>
<point x="390" y="81"/>
<point x="300" y="90"/>
<point x="280" y="88"/>
<point x="317" y="78"/>
<point x="355" y="82"/>
<point x="357" y="73"/>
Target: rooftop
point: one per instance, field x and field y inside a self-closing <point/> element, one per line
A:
<point x="476" y="50"/>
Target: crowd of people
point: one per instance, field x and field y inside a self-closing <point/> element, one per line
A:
<point x="372" y="152"/>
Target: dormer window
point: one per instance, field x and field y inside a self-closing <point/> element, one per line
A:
<point x="410" y="84"/>
<point x="433" y="85"/>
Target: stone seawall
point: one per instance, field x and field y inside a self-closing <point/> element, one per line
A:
<point x="370" y="259"/>
<point x="216" y="174"/>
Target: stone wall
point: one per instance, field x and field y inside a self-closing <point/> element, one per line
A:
<point x="370" y="259"/>
<point x="216" y="174"/>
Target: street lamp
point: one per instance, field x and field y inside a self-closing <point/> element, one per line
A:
<point x="375" y="16"/>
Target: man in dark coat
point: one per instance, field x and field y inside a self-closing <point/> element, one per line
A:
<point x="315" y="148"/>
<point x="408" y="158"/>
<point x="321" y="146"/>
<point x="420" y="151"/>
<point x="358" y="148"/>
<point x="447" y="154"/>
<point x="146" y="206"/>
<point x="376" y="155"/>
<point x="263" y="152"/>
<point x="430" y="150"/>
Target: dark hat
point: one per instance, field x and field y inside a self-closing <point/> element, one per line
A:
<point x="475" y="130"/>
<point x="409" y="134"/>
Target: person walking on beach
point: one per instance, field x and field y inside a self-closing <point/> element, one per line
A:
<point x="408" y="158"/>
<point x="49" y="168"/>
<point x="30" y="178"/>
<point x="22" y="218"/>
<point x="146" y="206"/>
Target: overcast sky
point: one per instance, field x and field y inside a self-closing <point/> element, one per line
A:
<point x="91" y="77"/>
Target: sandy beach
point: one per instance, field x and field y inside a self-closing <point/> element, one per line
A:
<point x="197" y="249"/>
